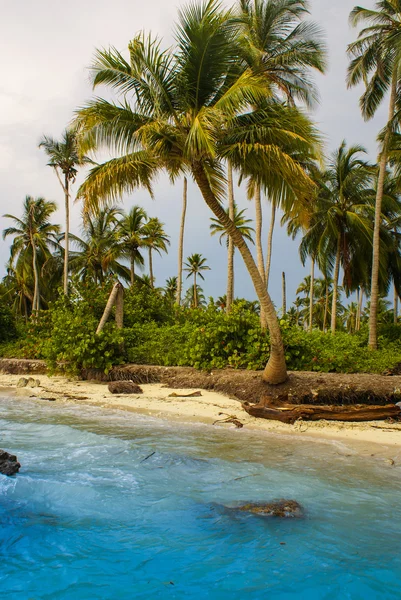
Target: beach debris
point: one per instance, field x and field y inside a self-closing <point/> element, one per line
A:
<point x="124" y="387"/>
<point x="148" y="456"/>
<point x="278" y="409"/>
<point x="191" y="395"/>
<point x="9" y="464"/>
<point x="278" y="508"/>
<point x="229" y="419"/>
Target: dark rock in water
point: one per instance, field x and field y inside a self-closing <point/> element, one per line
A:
<point x="124" y="387"/>
<point x="9" y="464"/>
<point x="22" y="382"/>
<point x="279" y="508"/>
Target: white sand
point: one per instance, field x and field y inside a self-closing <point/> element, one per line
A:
<point x="208" y="408"/>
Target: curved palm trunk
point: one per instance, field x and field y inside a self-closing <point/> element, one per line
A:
<point x="374" y="292"/>
<point x="195" y="293"/>
<point x="284" y="294"/>
<point x="151" y="267"/>
<point x="67" y="233"/>
<point x="181" y="241"/>
<point x="335" y="288"/>
<point x="132" y="269"/>
<point x="326" y="306"/>
<point x="259" y="247"/>
<point x="275" y="371"/>
<point x="312" y="284"/>
<point x="270" y="244"/>
<point x="231" y="247"/>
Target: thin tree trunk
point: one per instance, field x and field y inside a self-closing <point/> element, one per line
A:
<point x="312" y="285"/>
<point x="120" y="307"/>
<point x="67" y="233"/>
<point x="284" y="294"/>
<point x="231" y="247"/>
<point x="132" y="270"/>
<point x="110" y="303"/>
<point x="181" y="241"/>
<point x="195" y="293"/>
<point x="151" y="267"/>
<point x="259" y="247"/>
<point x="374" y="292"/>
<point x="326" y="306"/>
<point x="360" y="306"/>
<point x="335" y="288"/>
<point x="36" y="294"/>
<point x="270" y="244"/>
<point x="275" y="371"/>
<point x="395" y="307"/>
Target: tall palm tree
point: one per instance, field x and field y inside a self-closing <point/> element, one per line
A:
<point x="243" y="226"/>
<point x="194" y="297"/>
<point x="131" y="237"/>
<point x="64" y="159"/>
<point x="195" y="264"/>
<point x="193" y="107"/>
<point x="99" y="250"/>
<point x="34" y="235"/>
<point x="181" y="241"/>
<point x="376" y="62"/>
<point x="170" y="289"/>
<point x="155" y="238"/>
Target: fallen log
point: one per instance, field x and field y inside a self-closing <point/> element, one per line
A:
<point x="289" y="413"/>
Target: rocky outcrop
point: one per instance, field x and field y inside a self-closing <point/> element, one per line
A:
<point x="280" y="508"/>
<point x="22" y="366"/>
<point x="9" y="464"/>
<point x="124" y="387"/>
<point x="31" y="382"/>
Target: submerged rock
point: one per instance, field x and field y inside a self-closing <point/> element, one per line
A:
<point x="279" y="508"/>
<point x="9" y="464"/>
<point x="124" y="387"/>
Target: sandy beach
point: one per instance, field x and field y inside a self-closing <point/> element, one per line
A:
<point x="376" y="438"/>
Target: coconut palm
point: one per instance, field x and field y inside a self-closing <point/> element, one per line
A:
<point x="376" y="62"/>
<point x="170" y="289"/>
<point x="243" y="226"/>
<point x="195" y="264"/>
<point x="64" y="159"/>
<point x="34" y="235"/>
<point x="194" y="297"/>
<point x="181" y="240"/>
<point x="99" y="250"/>
<point x="131" y="234"/>
<point x="154" y="238"/>
<point x="188" y="110"/>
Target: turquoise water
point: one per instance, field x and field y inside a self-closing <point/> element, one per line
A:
<point x="89" y="518"/>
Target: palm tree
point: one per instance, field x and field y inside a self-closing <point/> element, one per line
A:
<point x="243" y="226"/>
<point x="193" y="107"/>
<point x="194" y="297"/>
<point x="64" y="158"/>
<point x="131" y="234"/>
<point x="34" y="235"/>
<point x="170" y="289"/>
<point x="99" y="250"/>
<point x="376" y="61"/>
<point x="195" y="264"/>
<point x="155" y="238"/>
<point x="181" y="241"/>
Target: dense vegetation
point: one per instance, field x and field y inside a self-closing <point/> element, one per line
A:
<point x="228" y="100"/>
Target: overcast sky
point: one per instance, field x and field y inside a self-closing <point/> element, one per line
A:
<point x="47" y="46"/>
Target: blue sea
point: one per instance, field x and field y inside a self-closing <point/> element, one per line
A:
<point x="113" y="505"/>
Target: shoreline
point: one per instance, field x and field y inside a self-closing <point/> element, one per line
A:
<point x="373" y="438"/>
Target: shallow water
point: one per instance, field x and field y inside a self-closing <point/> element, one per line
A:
<point x="94" y="514"/>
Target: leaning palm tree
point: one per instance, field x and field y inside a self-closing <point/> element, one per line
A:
<point x="243" y="226"/>
<point x="154" y="238"/>
<point x="376" y="62"/>
<point x="64" y="158"/>
<point x="181" y="241"/>
<point x="188" y="110"/>
<point x="131" y="234"/>
<point x="195" y="264"/>
<point x="34" y="235"/>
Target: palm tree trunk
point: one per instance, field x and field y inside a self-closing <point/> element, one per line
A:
<point x="259" y="247"/>
<point x="335" y="288"/>
<point x="326" y="306"/>
<point x="231" y="247"/>
<point x="374" y="292"/>
<point x="120" y="307"/>
<point x="151" y="267"/>
<point x="275" y="371"/>
<point x="270" y="244"/>
<point x="36" y="293"/>
<point x="284" y="294"/>
<point x="312" y="284"/>
<point x="132" y="270"/>
<point x="110" y="303"/>
<point x="181" y="241"/>
<point x="67" y="233"/>
<point x="395" y="307"/>
<point x="195" y="293"/>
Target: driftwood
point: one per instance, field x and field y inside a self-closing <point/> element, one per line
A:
<point x="276" y="410"/>
<point x="191" y="395"/>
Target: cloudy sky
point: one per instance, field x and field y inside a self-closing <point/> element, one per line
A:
<point x="45" y="78"/>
